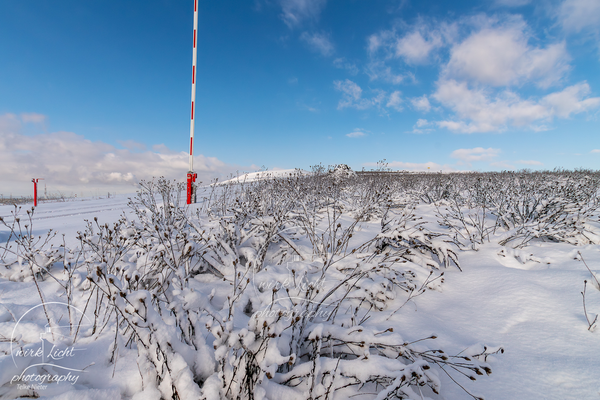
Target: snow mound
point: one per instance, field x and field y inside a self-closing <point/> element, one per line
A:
<point x="263" y="175"/>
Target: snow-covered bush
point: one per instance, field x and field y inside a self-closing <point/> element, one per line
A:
<point x="295" y="319"/>
<point x="341" y="171"/>
<point x="517" y="208"/>
<point x="25" y="255"/>
<point x="290" y="287"/>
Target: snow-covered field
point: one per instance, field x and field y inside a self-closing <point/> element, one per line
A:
<point x="201" y="301"/>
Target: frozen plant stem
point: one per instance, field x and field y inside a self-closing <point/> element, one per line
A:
<point x="591" y="325"/>
<point x="588" y="268"/>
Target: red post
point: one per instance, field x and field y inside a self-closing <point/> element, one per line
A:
<point x="35" y="181"/>
<point x="191" y="177"/>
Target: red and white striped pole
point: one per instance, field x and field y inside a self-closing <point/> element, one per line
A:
<point x="191" y="175"/>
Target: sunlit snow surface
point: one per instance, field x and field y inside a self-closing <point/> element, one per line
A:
<point x="261" y="175"/>
<point x="533" y="309"/>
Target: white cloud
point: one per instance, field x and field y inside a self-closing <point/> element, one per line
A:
<point x="352" y="96"/>
<point x="500" y="55"/>
<point x="9" y="123"/>
<point x="68" y="161"/>
<point x="415" y="49"/>
<point x="373" y="44"/>
<point x="318" y="42"/>
<point x="421" y="123"/>
<point x="395" y="101"/>
<point x="595" y="151"/>
<point x="477" y="111"/>
<point x="294" y="12"/>
<point x="475" y="154"/>
<point x="378" y="70"/>
<point x="539" y="128"/>
<point x="571" y="101"/>
<point x="161" y="148"/>
<point x="421" y="126"/>
<point x="417" y="167"/>
<point x="132" y="145"/>
<point x="33" y="118"/>
<point x="421" y="103"/>
<point x="577" y="15"/>
<point x="356" y="133"/>
<point x="483" y="114"/>
<point x="530" y="162"/>
<point x="341" y="63"/>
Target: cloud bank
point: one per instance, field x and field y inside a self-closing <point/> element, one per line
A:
<point x="70" y="162"/>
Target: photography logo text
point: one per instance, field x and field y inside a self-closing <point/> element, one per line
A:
<point x="48" y="355"/>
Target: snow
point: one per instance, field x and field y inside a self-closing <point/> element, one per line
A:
<point x="262" y="175"/>
<point x="535" y="313"/>
<point x="526" y="301"/>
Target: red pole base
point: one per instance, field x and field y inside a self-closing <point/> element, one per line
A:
<point x="191" y="177"/>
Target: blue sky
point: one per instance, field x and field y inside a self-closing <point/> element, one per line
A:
<point x="95" y="95"/>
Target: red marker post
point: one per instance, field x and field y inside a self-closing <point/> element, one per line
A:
<point x="191" y="175"/>
<point x="35" y="182"/>
<point x="191" y="178"/>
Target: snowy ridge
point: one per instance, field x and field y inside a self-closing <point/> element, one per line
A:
<point x="262" y="175"/>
